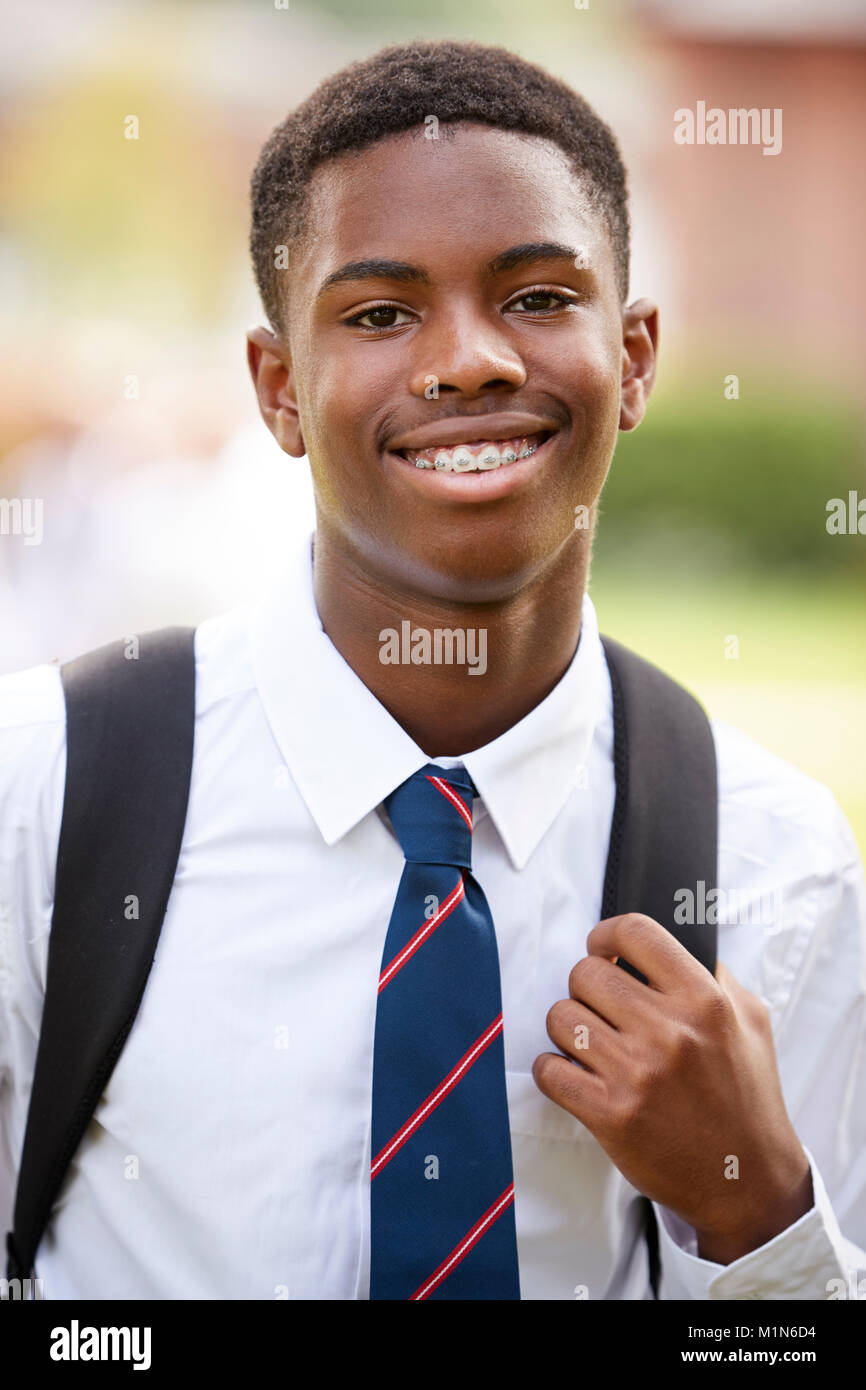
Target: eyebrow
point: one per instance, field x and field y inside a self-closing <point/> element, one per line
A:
<point x="378" y="269"/>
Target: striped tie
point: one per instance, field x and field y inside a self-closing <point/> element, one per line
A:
<point x="442" y="1190"/>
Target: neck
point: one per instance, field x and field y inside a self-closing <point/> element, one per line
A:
<point x="519" y="646"/>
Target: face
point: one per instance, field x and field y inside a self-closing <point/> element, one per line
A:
<point x="492" y="314"/>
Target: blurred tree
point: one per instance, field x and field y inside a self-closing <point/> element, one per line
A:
<point x="733" y="483"/>
<point x="109" y="225"/>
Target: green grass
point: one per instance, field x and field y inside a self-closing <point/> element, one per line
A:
<point x="798" y="683"/>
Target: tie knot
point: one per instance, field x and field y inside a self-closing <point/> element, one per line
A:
<point x="431" y="813"/>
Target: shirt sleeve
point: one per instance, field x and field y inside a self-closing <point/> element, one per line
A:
<point x="813" y="979"/>
<point x="811" y="1259"/>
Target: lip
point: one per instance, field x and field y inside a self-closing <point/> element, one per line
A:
<point x="472" y="429"/>
<point x="475" y="486"/>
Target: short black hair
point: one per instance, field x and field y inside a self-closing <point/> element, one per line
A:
<point x="395" y="90"/>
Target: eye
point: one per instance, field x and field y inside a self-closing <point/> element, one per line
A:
<point x="560" y="300"/>
<point x="379" y="312"/>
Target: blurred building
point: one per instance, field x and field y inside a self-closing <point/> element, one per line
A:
<point x="769" y="248"/>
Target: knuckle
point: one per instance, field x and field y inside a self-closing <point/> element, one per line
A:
<point x="557" y="1015"/>
<point x="623" y="1109"/>
<point x="760" y="1013"/>
<point x="541" y="1069"/>
<point x="634" y="925"/>
<point x="585" y="974"/>
<point x="553" y="1076"/>
<point x="713" y="1011"/>
<point x="682" y="1045"/>
<point x="646" y="1072"/>
<point x="640" y="1079"/>
<point x="576" y="974"/>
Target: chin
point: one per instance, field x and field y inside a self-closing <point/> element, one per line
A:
<point x="475" y="574"/>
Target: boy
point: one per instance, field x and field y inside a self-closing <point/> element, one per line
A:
<point x="440" y="237"/>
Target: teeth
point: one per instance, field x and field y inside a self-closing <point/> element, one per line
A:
<point x="462" y="459"/>
<point x="465" y="458"/>
<point x="490" y="457"/>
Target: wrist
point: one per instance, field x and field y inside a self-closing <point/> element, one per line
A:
<point x="779" y="1208"/>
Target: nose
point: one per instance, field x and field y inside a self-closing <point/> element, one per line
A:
<point x="465" y="350"/>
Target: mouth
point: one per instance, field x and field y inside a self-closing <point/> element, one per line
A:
<point x="482" y="455"/>
<point x="482" y="470"/>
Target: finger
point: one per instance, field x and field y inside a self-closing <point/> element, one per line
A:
<point x="617" y="997"/>
<point x="581" y="1093"/>
<point x="645" y="943"/>
<point x="581" y="1034"/>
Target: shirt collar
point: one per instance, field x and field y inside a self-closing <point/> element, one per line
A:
<point x="346" y="753"/>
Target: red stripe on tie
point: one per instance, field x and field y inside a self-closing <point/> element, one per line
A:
<point x="436" y="1097"/>
<point x="447" y="790"/>
<point x="469" y="1240"/>
<point x="454" y="898"/>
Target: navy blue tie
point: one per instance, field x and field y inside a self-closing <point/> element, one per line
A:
<point x="442" y="1189"/>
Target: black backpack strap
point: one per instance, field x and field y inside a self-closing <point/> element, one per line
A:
<point x="665" y="819"/>
<point x="130" y="717"/>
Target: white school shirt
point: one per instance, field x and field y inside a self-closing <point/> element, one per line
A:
<point x="229" y="1155"/>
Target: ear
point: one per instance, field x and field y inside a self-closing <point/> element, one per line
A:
<point x="270" y="366"/>
<point x="639" y="344"/>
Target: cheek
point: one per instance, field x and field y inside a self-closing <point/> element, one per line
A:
<point x="597" y="375"/>
<point x="591" y="387"/>
<point x="340" y="409"/>
<point x="335" y="411"/>
<point x="584" y="369"/>
<point x="342" y="398"/>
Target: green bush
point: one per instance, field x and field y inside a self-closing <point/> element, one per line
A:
<point x="731" y="483"/>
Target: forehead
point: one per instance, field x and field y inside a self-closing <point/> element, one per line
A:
<point x="449" y="204"/>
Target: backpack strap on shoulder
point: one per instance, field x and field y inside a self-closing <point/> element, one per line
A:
<point x="130" y="719"/>
<point x="665" y="820"/>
